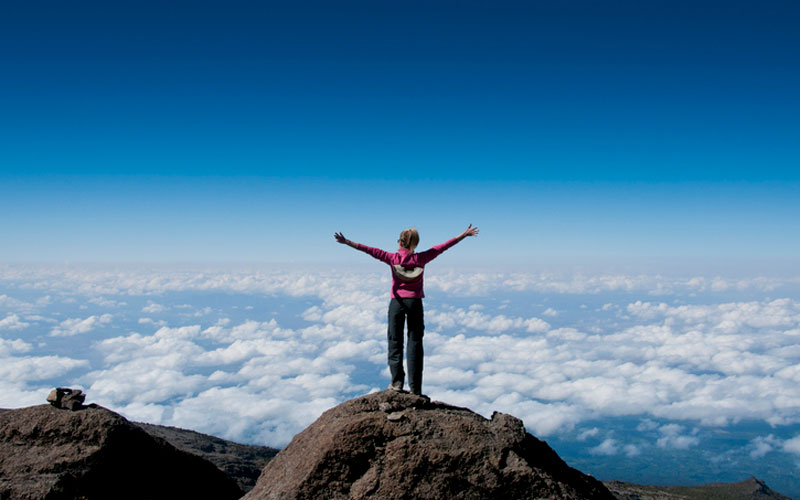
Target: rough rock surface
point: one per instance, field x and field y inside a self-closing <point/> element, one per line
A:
<point x="392" y="445"/>
<point x="94" y="453"/>
<point x="750" y="489"/>
<point x="241" y="462"/>
<point x="66" y="398"/>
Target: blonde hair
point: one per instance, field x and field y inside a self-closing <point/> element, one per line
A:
<point x="409" y="239"/>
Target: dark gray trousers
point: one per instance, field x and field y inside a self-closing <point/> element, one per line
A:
<point x="401" y="310"/>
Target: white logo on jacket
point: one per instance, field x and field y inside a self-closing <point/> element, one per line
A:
<point x="406" y="274"/>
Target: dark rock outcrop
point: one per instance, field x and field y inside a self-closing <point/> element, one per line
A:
<point x="241" y="462"/>
<point x="632" y="491"/>
<point x="392" y="445"/>
<point x="749" y="489"/>
<point x="93" y="454"/>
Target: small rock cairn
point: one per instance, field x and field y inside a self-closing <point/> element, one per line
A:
<point x="66" y="398"/>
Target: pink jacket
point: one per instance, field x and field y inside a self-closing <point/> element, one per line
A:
<point x="407" y="268"/>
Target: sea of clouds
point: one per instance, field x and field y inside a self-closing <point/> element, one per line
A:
<point x="256" y="354"/>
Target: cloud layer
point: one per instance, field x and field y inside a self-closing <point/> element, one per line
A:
<point x="682" y="352"/>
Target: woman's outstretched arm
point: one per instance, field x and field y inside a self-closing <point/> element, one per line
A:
<point x="470" y="231"/>
<point x="432" y="253"/>
<point x="344" y="241"/>
<point x="379" y="254"/>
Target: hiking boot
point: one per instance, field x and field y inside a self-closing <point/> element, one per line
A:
<point x="396" y="386"/>
<point x="422" y="396"/>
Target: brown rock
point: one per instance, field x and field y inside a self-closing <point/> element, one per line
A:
<point x="750" y="489"/>
<point x="66" y="398"/>
<point x="436" y="451"/>
<point x="95" y="454"/>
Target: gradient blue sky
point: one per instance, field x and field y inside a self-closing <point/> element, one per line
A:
<point x="251" y="131"/>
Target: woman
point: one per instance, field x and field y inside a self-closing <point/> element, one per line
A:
<point x="407" y="273"/>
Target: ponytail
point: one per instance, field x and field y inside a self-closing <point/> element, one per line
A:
<point x="409" y="239"/>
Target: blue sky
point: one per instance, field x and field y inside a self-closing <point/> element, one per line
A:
<point x="632" y="166"/>
<point x="245" y="131"/>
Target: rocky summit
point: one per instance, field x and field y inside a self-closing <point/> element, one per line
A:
<point x="750" y="489"/>
<point x="392" y="445"/>
<point x="95" y="454"/>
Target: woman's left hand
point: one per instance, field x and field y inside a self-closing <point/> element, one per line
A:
<point x="471" y="231"/>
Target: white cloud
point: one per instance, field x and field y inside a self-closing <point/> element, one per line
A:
<point x="140" y="382"/>
<point x="487" y="282"/>
<point x="593" y="432"/>
<point x="151" y="321"/>
<point x="12" y="322"/>
<point x="95" y="282"/>
<point x="647" y="425"/>
<point x="199" y="312"/>
<point x="38" y="317"/>
<point x="76" y="326"/>
<point x="353" y="350"/>
<point x="725" y="318"/>
<point x="248" y="330"/>
<point x="631" y="450"/>
<point x="263" y="418"/>
<point x="661" y="370"/>
<point x="153" y="308"/>
<point x="712" y="363"/>
<point x="762" y="445"/>
<point x="22" y="370"/>
<point x="12" y="303"/>
<point x="672" y="436"/>
<point x="313" y="313"/>
<point x="792" y="446"/>
<point x="476" y="320"/>
<point x="607" y="447"/>
<point x="104" y="302"/>
<point x="7" y="347"/>
<point x="253" y="361"/>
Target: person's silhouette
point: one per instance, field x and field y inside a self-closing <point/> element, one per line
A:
<point x="406" y="304"/>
